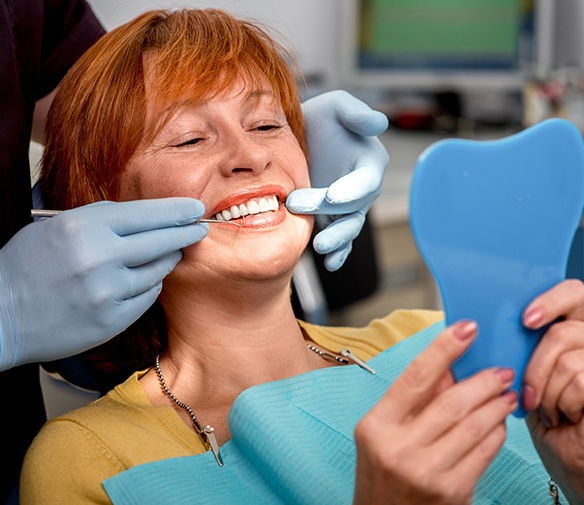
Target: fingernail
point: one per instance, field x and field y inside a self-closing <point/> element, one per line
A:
<point x="533" y="317"/>
<point x="465" y="330"/>
<point x="510" y="396"/>
<point x="529" y="397"/>
<point x="505" y="375"/>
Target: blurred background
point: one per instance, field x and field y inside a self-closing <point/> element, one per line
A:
<point x="477" y="69"/>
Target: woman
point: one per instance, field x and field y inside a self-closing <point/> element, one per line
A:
<point x="196" y="103"/>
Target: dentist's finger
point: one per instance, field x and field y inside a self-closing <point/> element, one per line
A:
<point x="315" y="201"/>
<point x="307" y="201"/>
<point x="365" y="180"/>
<point x="339" y="233"/>
<point x="336" y="259"/>
<point x="145" y="247"/>
<point x="358" y="117"/>
<point x="136" y="216"/>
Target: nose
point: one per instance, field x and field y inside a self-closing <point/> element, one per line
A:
<point x="244" y="154"/>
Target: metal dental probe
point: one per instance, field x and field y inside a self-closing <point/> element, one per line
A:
<point x="51" y="213"/>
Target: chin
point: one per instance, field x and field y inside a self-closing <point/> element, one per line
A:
<point x="271" y="267"/>
<point x="271" y="258"/>
<point x="237" y="271"/>
<point x="251" y="255"/>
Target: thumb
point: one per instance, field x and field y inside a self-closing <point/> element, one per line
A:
<point x="358" y="117"/>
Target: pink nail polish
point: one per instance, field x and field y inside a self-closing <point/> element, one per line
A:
<point x="529" y="397"/>
<point x="505" y="375"/>
<point x="465" y="330"/>
<point x="533" y="318"/>
<point x="510" y="396"/>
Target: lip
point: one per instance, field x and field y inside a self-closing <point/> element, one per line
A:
<point x="265" y="220"/>
<point x="250" y="194"/>
<point x="256" y="221"/>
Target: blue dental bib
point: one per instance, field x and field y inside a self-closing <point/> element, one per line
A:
<point x="292" y="443"/>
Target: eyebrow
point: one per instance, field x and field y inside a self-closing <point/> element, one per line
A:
<point x="250" y="95"/>
<point x="254" y="94"/>
<point x="260" y="92"/>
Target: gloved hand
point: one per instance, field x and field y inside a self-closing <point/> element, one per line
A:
<point x="347" y="165"/>
<point x="74" y="281"/>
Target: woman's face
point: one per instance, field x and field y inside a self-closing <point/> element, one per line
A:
<point x="235" y="153"/>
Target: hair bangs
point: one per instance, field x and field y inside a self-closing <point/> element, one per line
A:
<point x="195" y="56"/>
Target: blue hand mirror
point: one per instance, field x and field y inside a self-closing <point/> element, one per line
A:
<point x="494" y="221"/>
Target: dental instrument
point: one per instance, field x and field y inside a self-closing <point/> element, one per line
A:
<point x="51" y="213"/>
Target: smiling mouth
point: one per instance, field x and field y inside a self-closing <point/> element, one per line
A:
<point x="252" y="207"/>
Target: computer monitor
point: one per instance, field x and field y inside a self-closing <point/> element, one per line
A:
<point x="434" y="45"/>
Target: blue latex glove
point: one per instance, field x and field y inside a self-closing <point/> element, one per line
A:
<point x="73" y="281"/>
<point x="347" y="165"/>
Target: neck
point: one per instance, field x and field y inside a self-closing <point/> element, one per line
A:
<point x="226" y="342"/>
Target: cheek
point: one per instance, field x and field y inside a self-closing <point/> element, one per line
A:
<point x="303" y="174"/>
<point x="139" y="180"/>
<point x="298" y="169"/>
<point x="303" y="180"/>
<point x="129" y="188"/>
<point x="305" y="225"/>
<point x="152" y="179"/>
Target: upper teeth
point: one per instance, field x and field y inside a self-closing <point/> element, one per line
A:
<point x="249" y="208"/>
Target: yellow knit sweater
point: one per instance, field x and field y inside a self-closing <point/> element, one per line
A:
<point x="74" y="453"/>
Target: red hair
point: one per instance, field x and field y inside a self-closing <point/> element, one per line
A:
<point x="98" y="120"/>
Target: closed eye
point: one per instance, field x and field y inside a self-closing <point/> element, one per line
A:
<point x="190" y="142"/>
<point x="268" y="127"/>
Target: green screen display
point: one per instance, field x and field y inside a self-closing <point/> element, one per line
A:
<point x="441" y="33"/>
